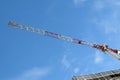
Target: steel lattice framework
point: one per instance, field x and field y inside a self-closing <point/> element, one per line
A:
<point x="104" y="48"/>
<point x="108" y="75"/>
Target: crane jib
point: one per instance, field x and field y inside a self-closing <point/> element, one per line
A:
<point x="114" y="52"/>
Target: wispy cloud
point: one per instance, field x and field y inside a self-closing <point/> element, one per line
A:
<point x="65" y="62"/>
<point x="107" y="14"/>
<point x="76" y="70"/>
<point x="78" y="2"/>
<point x="33" y="74"/>
<point x="101" y="4"/>
<point x="98" y="5"/>
<point x="109" y="22"/>
<point x="109" y="26"/>
<point x="98" y="58"/>
<point x="114" y="3"/>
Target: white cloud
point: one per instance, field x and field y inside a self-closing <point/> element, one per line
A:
<point x="65" y="62"/>
<point x="98" y="5"/>
<point x="108" y="26"/>
<point x="108" y="21"/>
<point x="108" y="14"/>
<point x="117" y="3"/>
<point x="76" y="70"/>
<point x="106" y="5"/>
<point x="98" y="58"/>
<point x="114" y="3"/>
<point x="33" y="74"/>
<point x="78" y="2"/>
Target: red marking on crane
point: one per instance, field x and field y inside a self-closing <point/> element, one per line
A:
<point x="51" y="34"/>
<point x="114" y="50"/>
<point x="77" y="41"/>
<point x="104" y="48"/>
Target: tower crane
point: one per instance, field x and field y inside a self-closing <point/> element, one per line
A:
<point x="104" y="48"/>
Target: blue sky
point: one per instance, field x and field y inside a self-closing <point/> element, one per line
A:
<point x="28" y="56"/>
